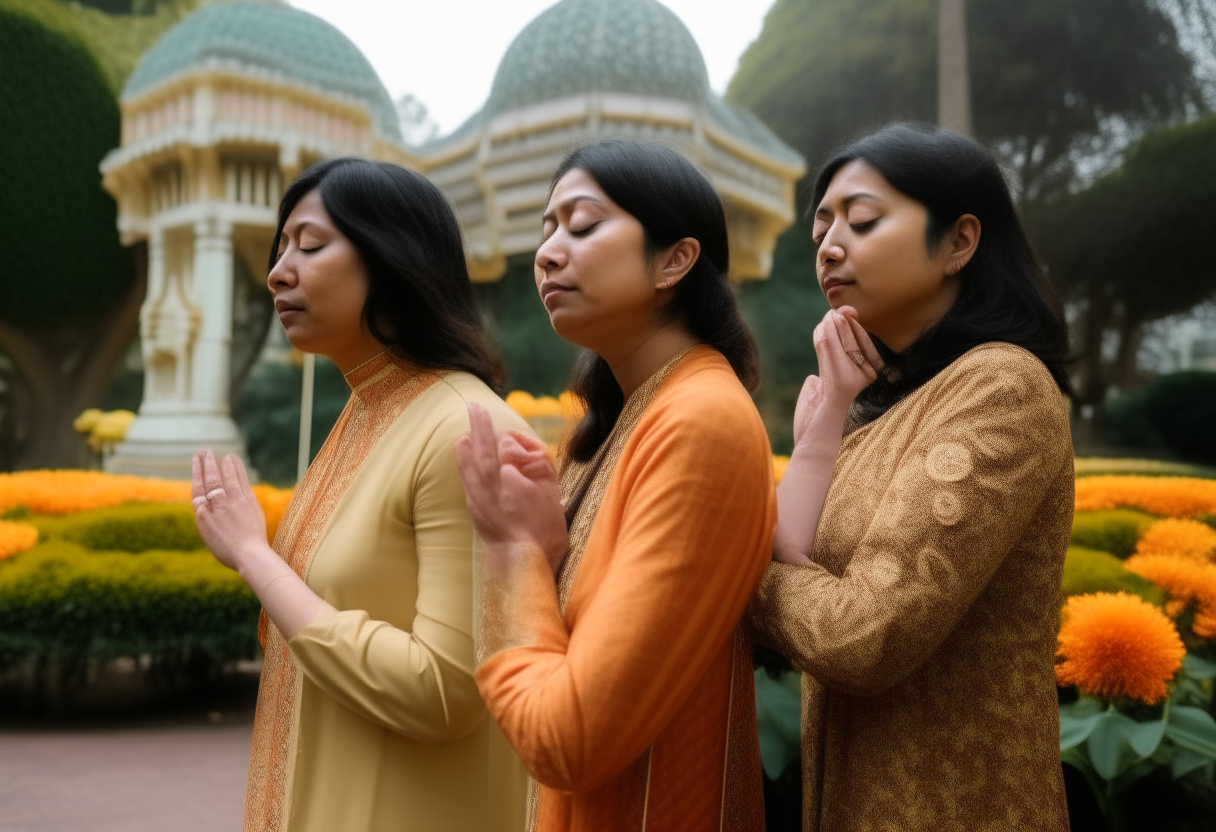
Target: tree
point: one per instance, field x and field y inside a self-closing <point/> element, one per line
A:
<point x="1135" y="246"/>
<point x="69" y="296"/>
<point x="1050" y="79"/>
<point x="953" y="78"/>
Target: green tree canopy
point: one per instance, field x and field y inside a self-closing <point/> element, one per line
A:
<point x="59" y="117"/>
<point x="1047" y="76"/>
<point x="1137" y="244"/>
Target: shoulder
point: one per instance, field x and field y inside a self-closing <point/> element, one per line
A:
<point x="453" y="394"/>
<point x="704" y="400"/>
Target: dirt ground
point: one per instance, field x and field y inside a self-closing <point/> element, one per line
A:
<point x="184" y="774"/>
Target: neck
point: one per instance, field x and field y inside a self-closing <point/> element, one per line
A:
<point x="350" y="358"/>
<point x="634" y="365"/>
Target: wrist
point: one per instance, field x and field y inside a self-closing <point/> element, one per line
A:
<point x="254" y="559"/>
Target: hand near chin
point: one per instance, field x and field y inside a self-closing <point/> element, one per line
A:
<point x="228" y="515"/>
<point x="848" y="360"/>
<point x="512" y="491"/>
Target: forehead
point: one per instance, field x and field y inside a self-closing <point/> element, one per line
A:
<point x="574" y="183"/>
<point x="857" y="177"/>
<point x="309" y="209"/>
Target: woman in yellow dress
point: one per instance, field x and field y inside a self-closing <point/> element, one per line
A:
<point x="611" y="654"/>
<point x="921" y="599"/>
<point x="368" y="715"/>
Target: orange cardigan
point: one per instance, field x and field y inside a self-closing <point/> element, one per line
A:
<point x="635" y="710"/>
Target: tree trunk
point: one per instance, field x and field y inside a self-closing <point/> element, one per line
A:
<point x="953" y="81"/>
<point x="64" y="372"/>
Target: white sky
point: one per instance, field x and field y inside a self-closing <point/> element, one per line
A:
<point x="445" y="52"/>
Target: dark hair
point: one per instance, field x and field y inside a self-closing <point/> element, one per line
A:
<point x="420" y="300"/>
<point x="1003" y="294"/>
<point x="672" y="200"/>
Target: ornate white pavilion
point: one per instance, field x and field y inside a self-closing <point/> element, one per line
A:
<point x="238" y="98"/>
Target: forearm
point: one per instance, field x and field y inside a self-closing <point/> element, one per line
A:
<point x="804" y="488"/>
<point x="288" y="601"/>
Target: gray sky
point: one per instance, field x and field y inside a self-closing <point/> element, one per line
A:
<point x="445" y="52"/>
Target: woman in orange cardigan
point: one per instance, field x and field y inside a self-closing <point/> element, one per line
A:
<point x="611" y="655"/>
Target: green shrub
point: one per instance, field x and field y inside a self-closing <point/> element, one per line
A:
<point x="1090" y="570"/>
<point x="135" y="527"/>
<point x="1115" y="531"/>
<point x="1182" y="407"/>
<point x="61" y="602"/>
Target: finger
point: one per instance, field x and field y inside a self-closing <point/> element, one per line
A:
<point x="197" y="490"/>
<point x="848" y="343"/>
<point x="866" y="343"/>
<point x="511" y="452"/>
<point x="212" y="479"/>
<point x="234" y="483"/>
<point x="485" y="446"/>
<point x="241" y="473"/>
<point x="528" y="441"/>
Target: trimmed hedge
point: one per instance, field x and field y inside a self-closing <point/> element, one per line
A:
<point x="134" y="527"/>
<point x="1115" y="530"/>
<point x="61" y="602"/>
<point x="1091" y="570"/>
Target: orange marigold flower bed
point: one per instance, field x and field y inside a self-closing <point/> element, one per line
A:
<point x="16" y="537"/>
<point x="1188" y="582"/>
<point x="1167" y="496"/>
<point x="274" y="502"/>
<point x="780" y="463"/>
<point x="69" y="491"/>
<point x="1114" y="644"/>
<point x="1179" y="536"/>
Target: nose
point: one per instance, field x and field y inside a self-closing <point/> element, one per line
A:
<point x="830" y="251"/>
<point x="283" y="275"/>
<point x="551" y="255"/>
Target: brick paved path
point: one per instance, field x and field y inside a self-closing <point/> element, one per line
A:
<point x="184" y="776"/>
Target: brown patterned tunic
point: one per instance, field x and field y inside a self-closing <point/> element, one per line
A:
<point x="926" y="630"/>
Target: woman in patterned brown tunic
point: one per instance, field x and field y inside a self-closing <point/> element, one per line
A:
<point x="920" y="598"/>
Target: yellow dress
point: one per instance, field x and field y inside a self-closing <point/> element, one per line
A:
<point x="369" y="719"/>
<point x="926" y="627"/>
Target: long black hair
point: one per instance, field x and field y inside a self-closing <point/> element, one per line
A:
<point x="420" y="300"/>
<point x="1003" y="294"/>
<point x="672" y="200"/>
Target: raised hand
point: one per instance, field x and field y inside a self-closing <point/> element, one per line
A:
<point x="512" y="491"/>
<point x="848" y="360"/>
<point x="228" y="515"/>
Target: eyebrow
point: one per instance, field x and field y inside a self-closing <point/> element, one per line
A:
<point x="570" y="203"/>
<point x="850" y="199"/>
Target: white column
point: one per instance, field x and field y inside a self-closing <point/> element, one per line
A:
<point x="213" y="289"/>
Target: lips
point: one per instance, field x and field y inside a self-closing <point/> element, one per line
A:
<point x="550" y="291"/>
<point x="281" y="305"/>
<point x="834" y="281"/>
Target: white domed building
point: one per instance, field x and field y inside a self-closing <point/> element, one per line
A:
<point x="227" y="107"/>
<point x="589" y="69"/>
<point x="238" y="98"/>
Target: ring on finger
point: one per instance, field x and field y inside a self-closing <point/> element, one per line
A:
<point x="211" y="494"/>
<point x="856" y="356"/>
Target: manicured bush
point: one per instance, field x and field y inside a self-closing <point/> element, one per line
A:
<point x="1091" y="570"/>
<point x="1115" y="531"/>
<point x="60" y="602"/>
<point x="135" y="527"/>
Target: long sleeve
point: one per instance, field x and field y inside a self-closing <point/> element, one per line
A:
<point x="981" y="462"/>
<point x="417" y="682"/>
<point x="687" y="541"/>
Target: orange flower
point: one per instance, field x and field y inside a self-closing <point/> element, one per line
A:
<point x="274" y="503"/>
<point x="16" y="537"/>
<point x="69" y="491"/>
<point x="1167" y="496"/>
<point x="1117" y="645"/>
<point x="1188" y="582"/>
<point x="1177" y="536"/>
<point x="780" y="463"/>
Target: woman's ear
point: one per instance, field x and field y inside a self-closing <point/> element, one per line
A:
<point x="964" y="240"/>
<point x="676" y="261"/>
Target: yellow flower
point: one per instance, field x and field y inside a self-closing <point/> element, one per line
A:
<point x="1178" y="536"/>
<point x="16" y="537"/>
<point x="1167" y="496"/>
<point x="1188" y="582"/>
<point x="779" y="466"/>
<point x="1117" y="645"/>
<point x="86" y="421"/>
<point x="112" y="426"/>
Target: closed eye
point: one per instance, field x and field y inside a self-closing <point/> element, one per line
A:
<point x="582" y="232"/>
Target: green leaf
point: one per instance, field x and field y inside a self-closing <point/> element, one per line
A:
<point x="1074" y="731"/>
<point x="1185" y="761"/>
<point x="1198" y="668"/>
<point x="1108" y="745"/>
<point x="1193" y="729"/>
<point x="778" y="720"/>
<point x="1146" y="736"/>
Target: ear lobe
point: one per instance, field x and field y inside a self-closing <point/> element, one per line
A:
<point x="966" y="241"/>
<point x="677" y="261"/>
